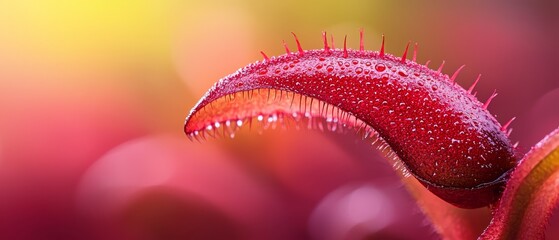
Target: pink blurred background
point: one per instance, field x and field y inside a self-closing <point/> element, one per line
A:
<point x="93" y="95"/>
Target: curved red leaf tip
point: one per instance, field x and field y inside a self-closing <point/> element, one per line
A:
<point x="299" y="48"/>
<point x="530" y="196"/>
<point x="361" y="41"/>
<point x="427" y="63"/>
<point x="325" y="39"/>
<point x="332" y="40"/>
<point x="443" y="135"/>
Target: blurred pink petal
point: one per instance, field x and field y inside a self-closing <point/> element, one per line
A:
<point x="364" y="210"/>
<point x="190" y="172"/>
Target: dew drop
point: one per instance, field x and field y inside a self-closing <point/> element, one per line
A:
<point x="330" y="68"/>
<point x="358" y="70"/>
<point x="355" y="62"/>
<point x="380" y="67"/>
<point x="384" y="76"/>
<point x="434" y="87"/>
<point x="318" y="66"/>
<point x="239" y="123"/>
<point x="402" y="73"/>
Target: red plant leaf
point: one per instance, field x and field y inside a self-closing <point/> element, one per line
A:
<point x="530" y="196"/>
<point x="444" y="136"/>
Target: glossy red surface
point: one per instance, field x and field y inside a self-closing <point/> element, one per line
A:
<point x="444" y="135"/>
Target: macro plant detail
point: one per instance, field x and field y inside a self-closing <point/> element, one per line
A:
<point x="438" y="131"/>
